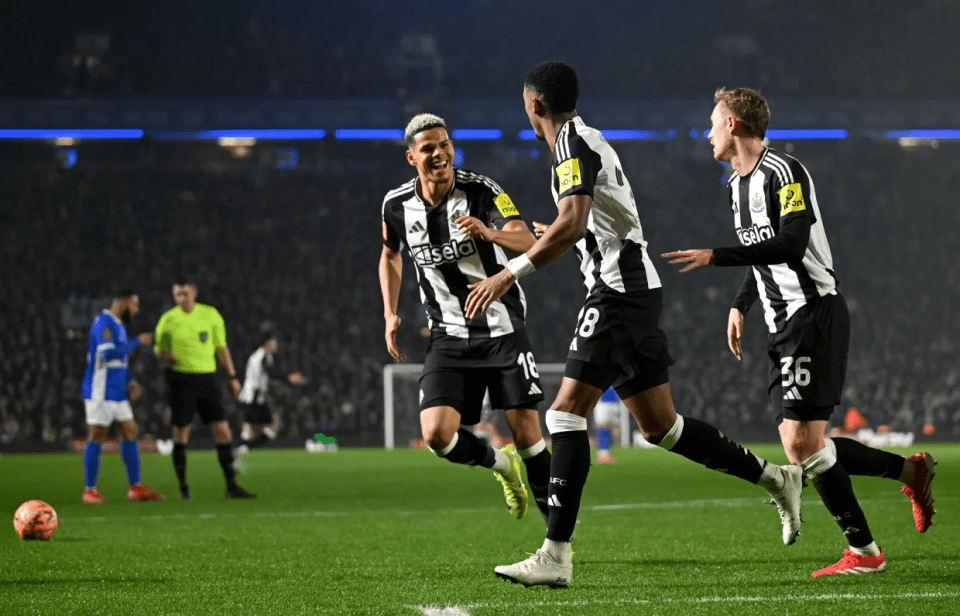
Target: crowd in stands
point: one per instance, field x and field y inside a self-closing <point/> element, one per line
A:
<point x="300" y="249"/>
<point x="254" y="49"/>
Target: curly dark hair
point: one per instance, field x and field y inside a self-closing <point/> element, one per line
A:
<point x="557" y="84"/>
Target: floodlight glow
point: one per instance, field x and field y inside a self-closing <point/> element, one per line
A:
<point x="943" y="134"/>
<point x="477" y="134"/>
<point x="798" y="134"/>
<point x="369" y="134"/>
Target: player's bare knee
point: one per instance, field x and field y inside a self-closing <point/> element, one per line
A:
<point x="524" y="426"/>
<point x="437" y="436"/>
<point x="97" y="434"/>
<point x="654" y="426"/>
<point x="221" y="432"/>
<point x="128" y="429"/>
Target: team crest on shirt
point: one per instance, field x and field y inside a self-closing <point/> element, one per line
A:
<point x="757" y="204"/>
<point x="204" y="336"/>
<point x="791" y="199"/>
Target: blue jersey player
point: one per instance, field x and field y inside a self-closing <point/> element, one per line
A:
<point x="106" y="382"/>
<point x="607" y="416"/>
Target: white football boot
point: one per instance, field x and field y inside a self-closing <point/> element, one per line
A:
<point x="787" y="501"/>
<point x="540" y="569"/>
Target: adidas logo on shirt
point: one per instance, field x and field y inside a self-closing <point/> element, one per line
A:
<point x="417" y="227"/>
<point x="792" y="394"/>
<point x="534" y="389"/>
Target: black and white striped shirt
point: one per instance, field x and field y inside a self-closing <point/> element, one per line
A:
<point x="447" y="260"/>
<point x="778" y="189"/>
<point x="613" y="253"/>
<point x="256" y="378"/>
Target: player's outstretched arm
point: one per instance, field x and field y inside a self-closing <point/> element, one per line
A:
<point x="391" y="271"/>
<point x="569" y="227"/>
<point x="514" y="236"/>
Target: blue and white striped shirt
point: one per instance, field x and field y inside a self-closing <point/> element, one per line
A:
<point x="106" y="375"/>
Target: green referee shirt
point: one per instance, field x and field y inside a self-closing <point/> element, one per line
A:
<point x="193" y="337"/>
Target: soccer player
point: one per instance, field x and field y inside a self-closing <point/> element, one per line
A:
<point x="607" y="416"/>
<point x="454" y="224"/>
<point x="106" y="383"/>
<point x="259" y="424"/>
<point x="190" y="338"/>
<point x="618" y="340"/>
<point x="777" y="219"/>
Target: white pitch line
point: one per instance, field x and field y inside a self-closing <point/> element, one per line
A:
<point x="721" y="502"/>
<point x="430" y="610"/>
<point x="704" y="503"/>
<point x="735" y="599"/>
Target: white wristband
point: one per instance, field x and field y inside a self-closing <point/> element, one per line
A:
<point x="520" y="266"/>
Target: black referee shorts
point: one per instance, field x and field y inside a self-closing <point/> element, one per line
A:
<point x="808" y="360"/>
<point x="194" y="393"/>
<point x="618" y="342"/>
<point x="256" y="413"/>
<point x="458" y="371"/>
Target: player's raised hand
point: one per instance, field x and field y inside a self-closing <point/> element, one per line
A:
<point x="393" y="324"/>
<point x="146" y="338"/>
<point x="694" y="259"/>
<point x="539" y="229"/>
<point x="487" y="291"/>
<point x="474" y="227"/>
<point x="735" y="332"/>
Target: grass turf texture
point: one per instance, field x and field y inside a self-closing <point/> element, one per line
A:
<point x="377" y="532"/>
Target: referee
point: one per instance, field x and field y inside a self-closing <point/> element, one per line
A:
<point x="190" y="337"/>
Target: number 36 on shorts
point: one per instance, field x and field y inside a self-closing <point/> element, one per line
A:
<point x="794" y="372"/>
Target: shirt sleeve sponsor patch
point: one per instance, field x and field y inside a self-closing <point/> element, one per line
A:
<point x="791" y="199"/>
<point x="568" y="172"/>
<point x="506" y="206"/>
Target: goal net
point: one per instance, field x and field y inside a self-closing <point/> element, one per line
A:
<point x="401" y="405"/>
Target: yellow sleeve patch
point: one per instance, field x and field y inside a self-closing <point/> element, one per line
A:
<point x="568" y="172"/>
<point x="791" y="199"/>
<point x="505" y="205"/>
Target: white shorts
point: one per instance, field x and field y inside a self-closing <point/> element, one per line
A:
<point x="105" y="412"/>
<point x="608" y="413"/>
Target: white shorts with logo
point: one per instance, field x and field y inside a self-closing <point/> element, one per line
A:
<point x="105" y="412"/>
<point x="608" y="413"/>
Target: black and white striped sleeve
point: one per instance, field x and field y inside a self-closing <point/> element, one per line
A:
<point x="577" y="166"/>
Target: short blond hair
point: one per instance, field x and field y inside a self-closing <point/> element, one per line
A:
<point x="749" y="107"/>
<point x="420" y="123"/>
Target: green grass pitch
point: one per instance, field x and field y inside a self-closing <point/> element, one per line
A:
<point x="378" y="532"/>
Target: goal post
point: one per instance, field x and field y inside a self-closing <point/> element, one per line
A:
<point x="401" y="404"/>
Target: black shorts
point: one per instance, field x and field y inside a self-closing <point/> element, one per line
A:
<point x="194" y="393"/>
<point x="808" y="360"/>
<point x="458" y="371"/>
<point x="618" y="342"/>
<point x="256" y="413"/>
